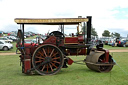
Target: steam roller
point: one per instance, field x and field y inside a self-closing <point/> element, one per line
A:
<point x="100" y="61"/>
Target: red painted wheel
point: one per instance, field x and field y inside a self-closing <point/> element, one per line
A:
<point x="47" y="60"/>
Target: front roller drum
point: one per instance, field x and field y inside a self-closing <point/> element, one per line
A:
<point x="47" y="60"/>
<point x="96" y="61"/>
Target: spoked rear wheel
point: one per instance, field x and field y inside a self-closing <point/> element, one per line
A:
<point x="47" y="60"/>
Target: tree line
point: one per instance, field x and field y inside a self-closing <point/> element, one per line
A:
<point x="93" y="31"/>
<point x="106" y="33"/>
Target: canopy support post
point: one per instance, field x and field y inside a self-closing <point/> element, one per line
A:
<point x="22" y="26"/>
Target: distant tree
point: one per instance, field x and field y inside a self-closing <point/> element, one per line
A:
<point x="84" y="27"/>
<point x="117" y="35"/>
<point x="93" y="31"/>
<point x="106" y="33"/>
<point x="112" y="34"/>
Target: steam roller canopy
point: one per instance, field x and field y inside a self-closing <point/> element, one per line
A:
<point x="96" y="61"/>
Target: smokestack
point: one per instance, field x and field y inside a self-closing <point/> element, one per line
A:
<point x="89" y="29"/>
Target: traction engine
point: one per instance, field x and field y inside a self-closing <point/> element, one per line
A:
<point x="49" y="57"/>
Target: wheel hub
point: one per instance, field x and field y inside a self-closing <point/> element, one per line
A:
<point x="48" y="59"/>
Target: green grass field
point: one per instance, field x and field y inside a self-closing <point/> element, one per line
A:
<point x="10" y="73"/>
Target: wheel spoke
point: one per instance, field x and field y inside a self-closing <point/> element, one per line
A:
<point x="39" y="57"/>
<point x="41" y="53"/>
<point x="48" y="50"/>
<point x="54" y="65"/>
<point x="43" y="68"/>
<point x="44" y="52"/>
<point x="47" y="68"/>
<point x="55" y="58"/>
<point x="51" y="67"/>
<point x="52" y="52"/>
<point x="56" y="62"/>
<point x="38" y="61"/>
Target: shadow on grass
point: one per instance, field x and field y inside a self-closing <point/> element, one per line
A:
<point x="63" y="71"/>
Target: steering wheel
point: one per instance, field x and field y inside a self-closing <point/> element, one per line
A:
<point x="57" y="34"/>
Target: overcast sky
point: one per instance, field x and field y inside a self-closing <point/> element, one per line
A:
<point x="109" y="15"/>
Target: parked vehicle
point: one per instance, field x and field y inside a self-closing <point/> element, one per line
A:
<point x="105" y="40"/>
<point x="27" y="34"/>
<point x="6" y="39"/>
<point x="5" y="46"/>
<point x="30" y="41"/>
<point x="122" y="42"/>
<point x="126" y="43"/>
<point x="111" y="42"/>
<point x="12" y="38"/>
<point x="1" y="33"/>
